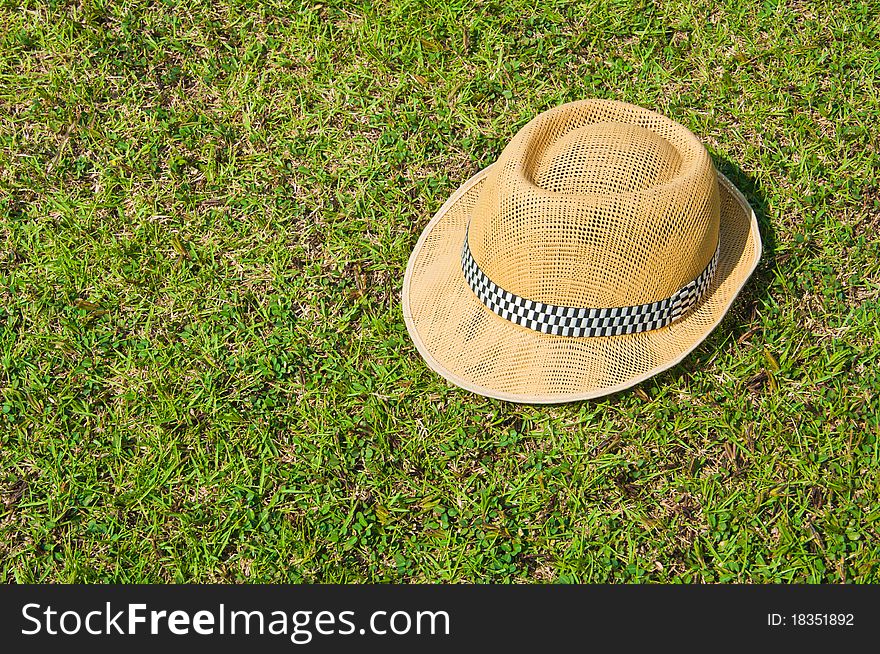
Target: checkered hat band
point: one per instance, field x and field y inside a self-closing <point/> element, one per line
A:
<point x="584" y="321"/>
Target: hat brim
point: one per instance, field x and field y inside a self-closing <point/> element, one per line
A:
<point x="472" y="347"/>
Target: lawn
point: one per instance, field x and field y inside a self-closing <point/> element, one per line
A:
<point x="206" y="210"/>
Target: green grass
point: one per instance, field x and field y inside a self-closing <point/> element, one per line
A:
<point x="206" y="209"/>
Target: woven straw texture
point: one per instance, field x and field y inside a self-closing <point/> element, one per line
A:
<point x="593" y="204"/>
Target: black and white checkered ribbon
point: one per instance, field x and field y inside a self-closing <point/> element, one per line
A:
<point x="583" y="321"/>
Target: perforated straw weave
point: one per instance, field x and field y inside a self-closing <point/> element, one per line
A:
<point x="600" y="214"/>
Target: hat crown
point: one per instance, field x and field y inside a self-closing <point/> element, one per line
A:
<point x="597" y="203"/>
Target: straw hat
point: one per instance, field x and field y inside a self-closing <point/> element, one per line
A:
<point x="600" y="249"/>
